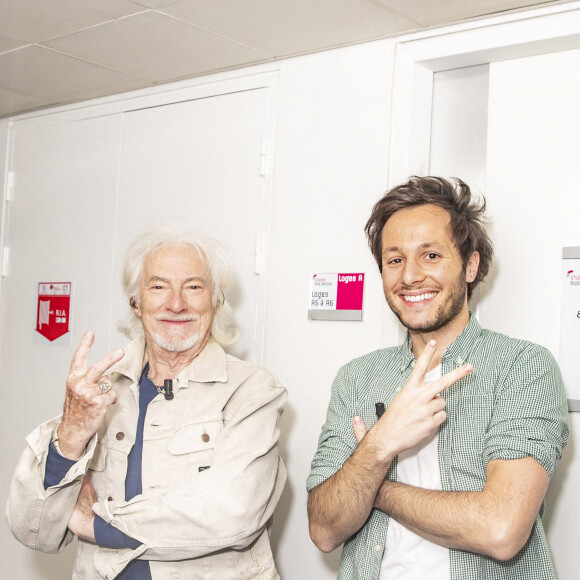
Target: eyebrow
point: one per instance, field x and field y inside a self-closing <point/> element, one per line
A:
<point x="423" y="246"/>
<point x="161" y="279"/>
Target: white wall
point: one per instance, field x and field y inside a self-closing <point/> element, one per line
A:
<point x="533" y="188"/>
<point x="336" y="132"/>
<point x="331" y="155"/>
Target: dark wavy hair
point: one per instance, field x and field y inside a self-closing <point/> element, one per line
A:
<point x="467" y="215"/>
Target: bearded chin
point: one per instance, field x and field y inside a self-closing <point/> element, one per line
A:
<point x="175" y="343"/>
<point x="445" y="314"/>
<point x="442" y="318"/>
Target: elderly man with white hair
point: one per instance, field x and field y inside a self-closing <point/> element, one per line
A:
<point x="165" y="461"/>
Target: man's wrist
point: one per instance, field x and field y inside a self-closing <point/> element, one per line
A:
<point x="69" y="451"/>
<point x="376" y="449"/>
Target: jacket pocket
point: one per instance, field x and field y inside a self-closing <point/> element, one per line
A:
<point x="191" y="446"/>
<point x="196" y="437"/>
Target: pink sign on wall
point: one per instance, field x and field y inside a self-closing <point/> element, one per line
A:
<point x="336" y="296"/>
<point x="349" y="292"/>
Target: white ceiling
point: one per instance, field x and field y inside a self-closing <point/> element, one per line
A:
<point x="61" y="51"/>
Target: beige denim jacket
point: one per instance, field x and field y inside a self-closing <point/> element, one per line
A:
<point x="211" y="475"/>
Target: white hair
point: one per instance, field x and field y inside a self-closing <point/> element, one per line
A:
<point x="223" y="328"/>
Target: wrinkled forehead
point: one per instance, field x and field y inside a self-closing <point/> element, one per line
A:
<point x="179" y="259"/>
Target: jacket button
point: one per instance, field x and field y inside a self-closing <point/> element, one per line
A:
<point x="109" y="498"/>
<point x="205" y="437"/>
<point x="120" y="436"/>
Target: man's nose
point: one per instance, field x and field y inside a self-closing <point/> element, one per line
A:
<point x="177" y="301"/>
<point x="413" y="272"/>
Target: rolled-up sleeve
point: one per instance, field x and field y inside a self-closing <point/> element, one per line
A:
<point x="530" y="415"/>
<point x="38" y="517"/>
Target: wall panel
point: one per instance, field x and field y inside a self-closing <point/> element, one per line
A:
<point x="533" y="188"/>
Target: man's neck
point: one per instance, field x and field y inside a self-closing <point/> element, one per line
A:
<point x="444" y="337"/>
<point x="164" y="364"/>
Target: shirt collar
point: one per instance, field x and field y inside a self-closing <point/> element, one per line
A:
<point x="457" y="352"/>
<point x="460" y="349"/>
<point x="209" y="366"/>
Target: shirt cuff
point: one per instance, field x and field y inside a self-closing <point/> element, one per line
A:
<point x="57" y="467"/>
<point x="108" y="536"/>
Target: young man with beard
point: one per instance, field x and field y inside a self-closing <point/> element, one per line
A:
<point x="165" y="460"/>
<point x="449" y="482"/>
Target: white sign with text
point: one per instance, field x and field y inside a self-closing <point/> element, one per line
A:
<point x="569" y="351"/>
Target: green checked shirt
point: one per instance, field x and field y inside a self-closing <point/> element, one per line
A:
<point x="512" y="405"/>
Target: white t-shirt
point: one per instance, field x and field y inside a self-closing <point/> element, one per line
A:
<point x="407" y="555"/>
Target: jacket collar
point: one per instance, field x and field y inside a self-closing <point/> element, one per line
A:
<point x="209" y="366"/>
<point x="457" y="352"/>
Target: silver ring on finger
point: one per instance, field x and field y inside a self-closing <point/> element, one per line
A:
<point x="105" y="387"/>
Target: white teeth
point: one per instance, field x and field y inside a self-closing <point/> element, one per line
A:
<point x="419" y="297"/>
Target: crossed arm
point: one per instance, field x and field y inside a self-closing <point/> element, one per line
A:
<point x="496" y="521"/>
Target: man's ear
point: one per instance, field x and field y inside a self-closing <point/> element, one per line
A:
<point x="472" y="267"/>
<point x="135" y="307"/>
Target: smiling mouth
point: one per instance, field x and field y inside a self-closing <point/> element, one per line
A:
<point x="176" y="322"/>
<point x="419" y="297"/>
<point x="182" y="318"/>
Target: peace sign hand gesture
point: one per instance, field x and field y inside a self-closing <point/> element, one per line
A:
<point x="414" y="412"/>
<point x="88" y="395"/>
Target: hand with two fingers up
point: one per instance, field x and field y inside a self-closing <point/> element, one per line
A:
<point x="413" y="413"/>
<point x="88" y="396"/>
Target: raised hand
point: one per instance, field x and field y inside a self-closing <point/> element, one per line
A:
<point x="414" y="412"/>
<point x="88" y="395"/>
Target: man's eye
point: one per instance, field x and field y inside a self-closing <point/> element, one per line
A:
<point x="432" y="256"/>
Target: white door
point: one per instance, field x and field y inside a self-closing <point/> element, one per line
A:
<point x="82" y="190"/>
<point x="199" y="162"/>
